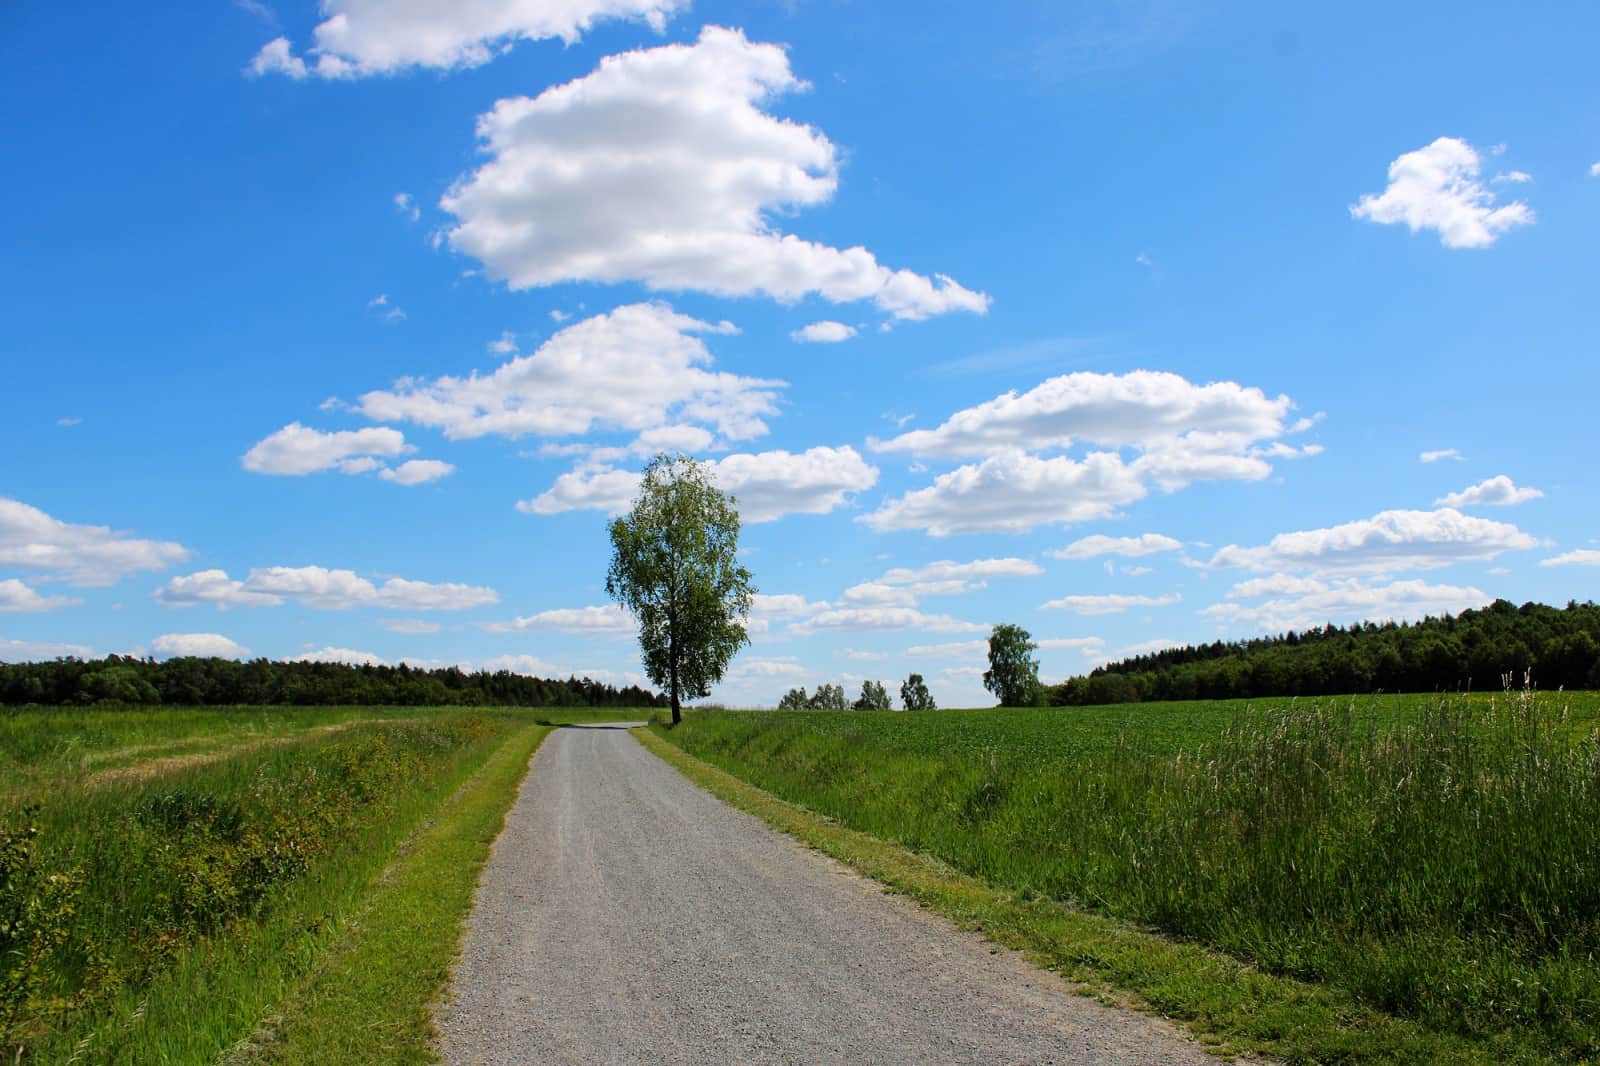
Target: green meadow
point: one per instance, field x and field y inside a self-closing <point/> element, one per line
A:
<point x="1436" y="859"/>
<point x="177" y="885"/>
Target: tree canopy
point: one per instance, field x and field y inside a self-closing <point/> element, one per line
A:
<point x="1013" y="674"/>
<point x="1473" y="650"/>
<point x="675" y="565"/>
<point x="914" y="694"/>
<point x="191" y="681"/>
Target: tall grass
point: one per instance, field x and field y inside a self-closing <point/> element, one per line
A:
<point x="166" y="913"/>
<point x="1442" y="863"/>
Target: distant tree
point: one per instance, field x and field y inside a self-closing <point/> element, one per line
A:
<point x="794" y="700"/>
<point x="829" y="698"/>
<point x="675" y="565"/>
<point x="873" y="697"/>
<point x="914" y="695"/>
<point x="1013" y="674"/>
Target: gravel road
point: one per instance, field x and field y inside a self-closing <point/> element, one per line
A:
<point x="626" y="916"/>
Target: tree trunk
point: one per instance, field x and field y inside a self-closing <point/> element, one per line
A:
<point x="672" y="655"/>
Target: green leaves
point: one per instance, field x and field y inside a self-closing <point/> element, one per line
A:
<point x="675" y="565"/>
<point x="1013" y="674"/>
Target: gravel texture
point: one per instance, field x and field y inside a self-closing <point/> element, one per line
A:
<point x="626" y="916"/>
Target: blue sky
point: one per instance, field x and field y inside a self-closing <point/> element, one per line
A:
<point x="339" y="330"/>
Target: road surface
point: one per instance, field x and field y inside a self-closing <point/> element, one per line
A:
<point x="626" y="916"/>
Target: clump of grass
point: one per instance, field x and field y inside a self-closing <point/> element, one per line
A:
<point x="1441" y="864"/>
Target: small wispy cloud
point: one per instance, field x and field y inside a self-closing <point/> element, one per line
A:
<point x="406" y="204"/>
<point x="261" y="11"/>
<point x="1442" y="453"/>
<point x="386" y="308"/>
<point x="70" y="420"/>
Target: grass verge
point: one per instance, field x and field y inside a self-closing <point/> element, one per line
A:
<point x="1229" y="1005"/>
<point x="370" y="1000"/>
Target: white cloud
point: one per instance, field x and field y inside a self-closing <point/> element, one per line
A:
<point x="200" y="645"/>
<point x="276" y="57"/>
<point x="607" y="620"/>
<point x="1513" y="177"/>
<point x="321" y="588"/>
<point x="69" y="421"/>
<point x="361" y="38"/>
<point x="882" y="618"/>
<point x="1144" y="409"/>
<point x="767" y="485"/>
<point x="28" y="651"/>
<point x="1385" y="543"/>
<point x="1144" y="647"/>
<point x="825" y="332"/>
<point x="1275" y="585"/>
<point x="661" y="167"/>
<point x="296" y="450"/>
<point x="687" y="440"/>
<point x="855" y="655"/>
<point x="407" y="206"/>
<point x="1013" y="493"/>
<point x="875" y="593"/>
<point x="1114" y="603"/>
<point x="530" y="665"/>
<point x="1437" y="188"/>
<point x="751" y="667"/>
<point x="942" y="575"/>
<point x="1594" y="170"/>
<point x="340" y="655"/>
<point x="418" y="472"/>
<point x="639" y="367"/>
<point x="1099" y="544"/>
<point x="1300" y="604"/>
<point x="784" y="606"/>
<point x="1581" y="557"/>
<point x="17" y="598"/>
<point x="85" y="556"/>
<point x="959" y="649"/>
<point x="1498" y="491"/>
<point x="410" y="626"/>
<point x="1180" y="432"/>
<point x="904" y="586"/>
<point x="1442" y="453"/>
<point x="1091" y="647"/>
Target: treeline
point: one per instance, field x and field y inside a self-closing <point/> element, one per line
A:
<point x="1473" y="650"/>
<point x="195" y="681"/>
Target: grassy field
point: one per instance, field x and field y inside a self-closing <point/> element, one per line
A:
<point x="178" y="883"/>
<point x="1433" y="859"/>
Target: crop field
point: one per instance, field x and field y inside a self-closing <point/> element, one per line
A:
<point x="1436" y="858"/>
<point x="169" y="879"/>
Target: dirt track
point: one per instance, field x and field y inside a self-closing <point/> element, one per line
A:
<point x="628" y="917"/>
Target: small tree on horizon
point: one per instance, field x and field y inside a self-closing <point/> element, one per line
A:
<point x="829" y="698"/>
<point x="874" y="697"/>
<point x="914" y="694"/>
<point x="674" y="564"/>
<point x="794" y="700"/>
<point x="1013" y="674"/>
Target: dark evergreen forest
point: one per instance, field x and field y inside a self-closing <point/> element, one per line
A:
<point x="1475" y="650"/>
<point x="214" y="682"/>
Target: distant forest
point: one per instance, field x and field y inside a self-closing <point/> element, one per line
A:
<point x="1473" y="650"/>
<point x="194" y="681"/>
